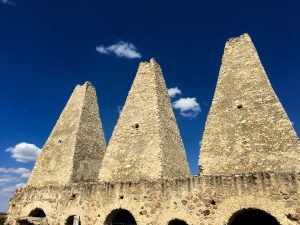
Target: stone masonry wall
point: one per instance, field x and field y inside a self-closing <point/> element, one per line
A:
<point x="76" y="146"/>
<point x="146" y="142"/>
<point x="204" y="200"/>
<point x="247" y="129"/>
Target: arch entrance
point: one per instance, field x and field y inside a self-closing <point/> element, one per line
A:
<point x="36" y="216"/>
<point x="252" y="217"/>
<point x="73" y="220"/>
<point x="120" y="217"/>
<point x="37" y="212"/>
<point x="177" y="222"/>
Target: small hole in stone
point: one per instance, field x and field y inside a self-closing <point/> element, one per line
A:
<point x="213" y="202"/>
<point x="121" y="197"/>
<point x="245" y="142"/>
<point x="59" y="141"/>
<point x="98" y="215"/>
<point x="136" y="126"/>
<point x="73" y="196"/>
<point x="240" y="106"/>
<point x="206" y="212"/>
<point x="291" y="217"/>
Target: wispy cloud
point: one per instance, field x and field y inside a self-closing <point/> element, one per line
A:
<point x="9" y="189"/>
<point x="188" y="107"/>
<point x="200" y="143"/>
<point x="121" y="49"/>
<point x="173" y="92"/>
<point x="120" y="109"/>
<point x="10" y="180"/>
<point x="23" y="172"/>
<point x="4" y="180"/>
<point x="24" y="152"/>
<point x="7" y="2"/>
<point x="20" y="185"/>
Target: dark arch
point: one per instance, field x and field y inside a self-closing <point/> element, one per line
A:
<point x="70" y="220"/>
<point x="177" y="222"/>
<point x="252" y="217"/>
<point x="37" y="212"/>
<point x="120" y="217"/>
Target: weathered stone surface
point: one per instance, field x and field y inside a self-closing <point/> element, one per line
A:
<point x="33" y="221"/>
<point x="145" y="143"/>
<point x="250" y="156"/>
<point x="75" y="147"/>
<point x="247" y="129"/>
<point x="95" y="201"/>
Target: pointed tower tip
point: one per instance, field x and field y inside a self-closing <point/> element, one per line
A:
<point x="242" y="38"/>
<point x="87" y="83"/>
<point x="152" y="62"/>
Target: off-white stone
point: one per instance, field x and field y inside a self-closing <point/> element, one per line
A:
<point x="75" y="147"/>
<point x="247" y="129"/>
<point x="249" y="156"/>
<point x="145" y="143"/>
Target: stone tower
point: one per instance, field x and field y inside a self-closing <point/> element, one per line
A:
<point x="247" y="129"/>
<point x="250" y="158"/>
<point x="145" y="143"/>
<point x="76" y="145"/>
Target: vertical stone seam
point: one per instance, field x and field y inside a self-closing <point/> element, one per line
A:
<point x="270" y="86"/>
<point x="163" y="163"/>
<point x="77" y="129"/>
<point x="161" y="155"/>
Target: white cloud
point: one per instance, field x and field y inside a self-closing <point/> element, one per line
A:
<point x="20" y="185"/>
<point x="120" y="109"/>
<point x="5" y="180"/>
<point x="23" y="172"/>
<point x="10" y="179"/>
<point x="188" y="107"/>
<point x="120" y="49"/>
<point x="24" y="152"/>
<point x="174" y="92"/>
<point x="9" y="189"/>
<point x="200" y="143"/>
<point x="7" y="2"/>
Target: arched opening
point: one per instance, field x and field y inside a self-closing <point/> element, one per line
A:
<point x="37" y="212"/>
<point x="120" y="217"/>
<point x="251" y="217"/>
<point x="177" y="222"/>
<point x="73" y="220"/>
<point x="36" y="216"/>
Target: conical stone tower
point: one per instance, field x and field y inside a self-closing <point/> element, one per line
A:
<point x="76" y="145"/>
<point x="247" y="129"/>
<point x="145" y="143"/>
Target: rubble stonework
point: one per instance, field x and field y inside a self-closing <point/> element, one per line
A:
<point x="247" y="129"/>
<point x="75" y="147"/>
<point x="145" y="143"/>
<point x="249" y="158"/>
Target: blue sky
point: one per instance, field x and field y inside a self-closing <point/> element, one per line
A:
<point x="47" y="47"/>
